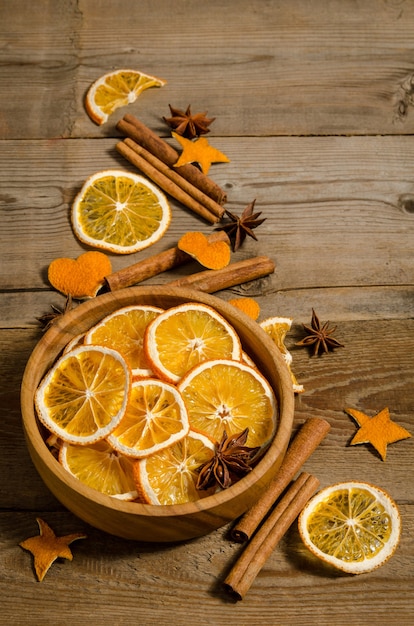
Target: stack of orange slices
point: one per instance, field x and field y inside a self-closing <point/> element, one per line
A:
<point x="140" y="401"/>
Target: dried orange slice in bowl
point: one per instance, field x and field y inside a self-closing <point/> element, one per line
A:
<point x="98" y="466"/>
<point x="226" y="395"/>
<point x="277" y="328"/>
<point x="116" y="89"/>
<point x="353" y="526"/>
<point x="186" y="335"/>
<point x="120" y="212"/>
<point x="83" y="397"/>
<point x="124" y="331"/>
<point x="155" y="418"/>
<point x="170" y="476"/>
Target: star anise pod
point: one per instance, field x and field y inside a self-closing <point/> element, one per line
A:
<point x="320" y="336"/>
<point x="187" y="124"/>
<point x="231" y="461"/>
<point x="48" y="319"/>
<point x="239" y="227"/>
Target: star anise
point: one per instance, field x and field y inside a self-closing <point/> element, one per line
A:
<point x="48" y="319"/>
<point x="320" y="336"/>
<point x="188" y="125"/>
<point x="231" y="461"/>
<point x="239" y="227"/>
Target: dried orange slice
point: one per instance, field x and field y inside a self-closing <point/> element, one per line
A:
<point x="277" y="329"/>
<point x="74" y="343"/>
<point x="186" y="335"/>
<point x="98" y="466"/>
<point x="156" y="417"/>
<point x="354" y="526"/>
<point x="84" y="395"/>
<point x="120" y="212"/>
<point x="225" y="395"/>
<point x="116" y="89"/>
<point x="170" y="476"/>
<point x="124" y="331"/>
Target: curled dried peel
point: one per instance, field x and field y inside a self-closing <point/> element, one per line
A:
<point x="248" y="305"/>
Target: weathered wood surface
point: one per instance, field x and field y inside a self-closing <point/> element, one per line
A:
<point x="314" y="106"/>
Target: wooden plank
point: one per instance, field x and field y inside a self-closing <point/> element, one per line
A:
<point x="339" y="210"/>
<point x="269" y="69"/>
<point x="23" y="308"/>
<point x="185" y="580"/>
<point x="314" y="106"/>
<point x="40" y="57"/>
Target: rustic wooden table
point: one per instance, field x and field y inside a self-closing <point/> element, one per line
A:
<point x="314" y="106"/>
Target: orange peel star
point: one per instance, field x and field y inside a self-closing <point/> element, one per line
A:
<point x="47" y="547"/>
<point x="199" y="151"/>
<point x="379" y="430"/>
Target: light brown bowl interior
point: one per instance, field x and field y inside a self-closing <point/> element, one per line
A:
<point x="150" y="522"/>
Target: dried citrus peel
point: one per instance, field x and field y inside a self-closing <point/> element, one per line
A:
<point x="47" y="547"/>
<point x="248" y="305"/>
<point x="379" y="430"/>
<point x="199" y="151"/>
<point x="81" y="277"/>
<point x="214" y="256"/>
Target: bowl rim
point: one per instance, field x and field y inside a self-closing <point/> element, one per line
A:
<point x="64" y="329"/>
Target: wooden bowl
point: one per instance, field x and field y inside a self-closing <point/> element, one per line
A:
<point x="131" y="520"/>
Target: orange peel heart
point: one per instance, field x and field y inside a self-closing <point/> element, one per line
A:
<point x="81" y="277"/>
<point x="214" y="255"/>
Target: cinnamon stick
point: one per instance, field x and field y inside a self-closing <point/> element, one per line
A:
<point x="258" y="550"/>
<point x="171" y="173"/>
<point x="313" y="431"/>
<point x="168" y="185"/>
<point x="156" y="264"/>
<point x="237" y="273"/>
<point x="136" y="130"/>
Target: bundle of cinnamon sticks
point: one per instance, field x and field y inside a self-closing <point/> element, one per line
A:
<point x="262" y="530"/>
<point x="155" y="158"/>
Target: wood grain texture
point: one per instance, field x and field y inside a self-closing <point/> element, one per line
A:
<point x="346" y="199"/>
<point x="268" y="68"/>
<point x="314" y="106"/>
